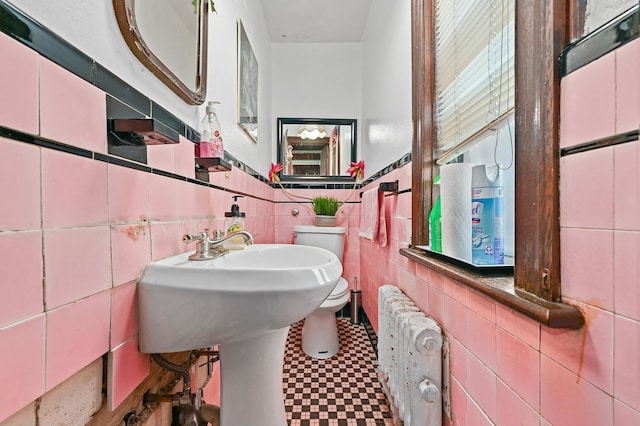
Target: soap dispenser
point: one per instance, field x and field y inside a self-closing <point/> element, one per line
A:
<point x="234" y="223"/>
<point x="211" y="138"/>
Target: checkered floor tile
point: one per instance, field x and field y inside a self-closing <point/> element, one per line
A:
<point x="342" y="390"/>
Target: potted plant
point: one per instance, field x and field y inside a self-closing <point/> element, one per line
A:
<point x="324" y="207"/>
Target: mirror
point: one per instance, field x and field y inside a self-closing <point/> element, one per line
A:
<point x="170" y="38"/>
<point x="313" y="148"/>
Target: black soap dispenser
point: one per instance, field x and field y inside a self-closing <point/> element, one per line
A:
<point x="234" y="223"/>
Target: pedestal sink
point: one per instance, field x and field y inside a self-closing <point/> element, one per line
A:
<point x="244" y="302"/>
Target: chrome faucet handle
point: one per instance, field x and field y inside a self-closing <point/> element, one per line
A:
<point x="203" y="245"/>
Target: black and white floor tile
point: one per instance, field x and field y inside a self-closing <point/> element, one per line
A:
<point x="342" y="390"/>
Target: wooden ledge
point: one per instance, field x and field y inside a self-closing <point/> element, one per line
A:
<point x="500" y="287"/>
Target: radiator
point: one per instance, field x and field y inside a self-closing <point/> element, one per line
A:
<point x="409" y="359"/>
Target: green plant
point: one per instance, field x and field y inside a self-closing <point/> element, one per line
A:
<point x="325" y="206"/>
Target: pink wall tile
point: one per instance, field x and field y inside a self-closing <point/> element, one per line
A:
<point x="64" y="98"/>
<point x="567" y="400"/>
<point x="185" y="158"/>
<point x="626" y="366"/>
<point x="518" y="325"/>
<point x="127" y="368"/>
<point x="162" y="157"/>
<point x="130" y="251"/>
<point x="458" y="403"/>
<point x="627" y="87"/>
<point x="21" y="272"/>
<point x="482" y="387"/>
<point x="481" y="338"/>
<point x="22" y="367"/>
<point x="624" y="415"/>
<point x="458" y="361"/>
<point x="481" y="304"/>
<point x="519" y="367"/>
<point x="476" y="416"/>
<point x="77" y="334"/>
<point x="587" y="266"/>
<point x="587" y="352"/>
<point x="77" y="264"/>
<point x="19" y="86"/>
<point x="186" y="200"/>
<point x="587" y="197"/>
<point x="587" y="108"/>
<point x="128" y="194"/>
<point x="626" y="273"/>
<point x="23" y="211"/>
<point x="455" y="290"/>
<point x="455" y="318"/>
<point x="627" y="186"/>
<point x="162" y="198"/>
<point x="123" y="313"/>
<point x="512" y="410"/>
<point x="74" y="190"/>
<point x="436" y="304"/>
<point x="164" y="240"/>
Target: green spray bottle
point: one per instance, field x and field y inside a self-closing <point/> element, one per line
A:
<point x="435" y="222"/>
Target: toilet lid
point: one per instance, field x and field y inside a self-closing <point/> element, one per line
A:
<point x="340" y="290"/>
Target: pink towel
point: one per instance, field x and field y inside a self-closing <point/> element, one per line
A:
<point x="372" y="220"/>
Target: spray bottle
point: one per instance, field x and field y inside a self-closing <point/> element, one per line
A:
<point x="487" y="216"/>
<point x="435" y="222"/>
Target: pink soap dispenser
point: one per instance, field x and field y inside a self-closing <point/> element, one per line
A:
<point x="210" y="144"/>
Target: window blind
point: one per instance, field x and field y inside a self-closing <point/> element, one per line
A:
<point x="474" y="68"/>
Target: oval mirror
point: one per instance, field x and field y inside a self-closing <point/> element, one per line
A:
<point x="170" y="38"/>
<point x="316" y="148"/>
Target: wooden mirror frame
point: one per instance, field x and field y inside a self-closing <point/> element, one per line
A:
<point x="125" y="16"/>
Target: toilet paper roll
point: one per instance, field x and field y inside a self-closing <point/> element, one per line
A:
<point x="455" y="195"/>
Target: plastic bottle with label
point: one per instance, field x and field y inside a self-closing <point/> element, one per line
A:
<point x="487" y="216"/>
<point x="435" y="222"/>
<point x="210" y="144"/>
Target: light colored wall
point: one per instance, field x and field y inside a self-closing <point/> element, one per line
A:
<point x="599" y="12"/>
<point x="505" y="368"/>
<point x="91" y="27"/>
<point x="387" y="126"/>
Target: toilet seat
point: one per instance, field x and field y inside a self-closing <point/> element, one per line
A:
<point x="340" y="289"/>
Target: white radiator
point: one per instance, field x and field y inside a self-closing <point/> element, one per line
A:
<point x="409" y="359"/>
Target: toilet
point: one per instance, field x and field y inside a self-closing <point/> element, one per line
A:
<point x="320" y="332"/>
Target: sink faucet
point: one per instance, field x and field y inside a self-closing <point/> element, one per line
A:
<point x="208" y="248"/>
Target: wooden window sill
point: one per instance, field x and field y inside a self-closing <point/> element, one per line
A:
<point x="500" y="287"/>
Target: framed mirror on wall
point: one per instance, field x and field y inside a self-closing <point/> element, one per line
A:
<point x="316" y="148"/>
<point x="169" y="37"/>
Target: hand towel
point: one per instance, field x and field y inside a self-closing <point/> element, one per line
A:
<point x="381" y="237"/>
<point x="372" y="220"/>
<point x="369" y="215"/>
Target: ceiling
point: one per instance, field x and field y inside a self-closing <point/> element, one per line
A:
<point x="315" y="21"/>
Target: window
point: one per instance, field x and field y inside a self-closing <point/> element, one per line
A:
<point x="541" y="32"/>
<point x="474" y="70"/>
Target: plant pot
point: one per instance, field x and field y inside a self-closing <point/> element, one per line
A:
<point x="325" y="220"/>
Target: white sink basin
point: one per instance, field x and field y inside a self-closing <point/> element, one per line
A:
<point x="244" y="302"/>
<point x="185" y="304"/>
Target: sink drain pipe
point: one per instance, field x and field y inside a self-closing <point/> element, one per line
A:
<point x="178" y="369"/>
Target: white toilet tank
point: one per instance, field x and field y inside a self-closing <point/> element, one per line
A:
<point x="326" y="237"/>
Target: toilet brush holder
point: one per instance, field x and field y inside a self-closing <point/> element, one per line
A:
<point x="356" y="303"/>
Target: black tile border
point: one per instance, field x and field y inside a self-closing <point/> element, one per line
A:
<point x="601" y="143"/>
<point x="610" y="36"/>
